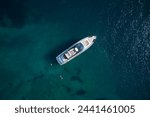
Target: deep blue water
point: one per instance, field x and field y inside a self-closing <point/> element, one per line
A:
<point x="34" y="32"/>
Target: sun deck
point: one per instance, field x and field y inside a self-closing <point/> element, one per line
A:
<point x="85" y="43"/>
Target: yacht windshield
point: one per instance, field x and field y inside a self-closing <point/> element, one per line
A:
<point x="79" y="46"/>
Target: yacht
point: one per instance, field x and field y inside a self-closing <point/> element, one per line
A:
<point x="75" y="50"/>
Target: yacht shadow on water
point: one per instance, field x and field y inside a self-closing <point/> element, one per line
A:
<point x="50" y="57"/>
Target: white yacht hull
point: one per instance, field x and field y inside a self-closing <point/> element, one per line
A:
<point x="75" y="50"/>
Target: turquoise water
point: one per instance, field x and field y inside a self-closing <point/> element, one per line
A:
<point x="33" y="33"/>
